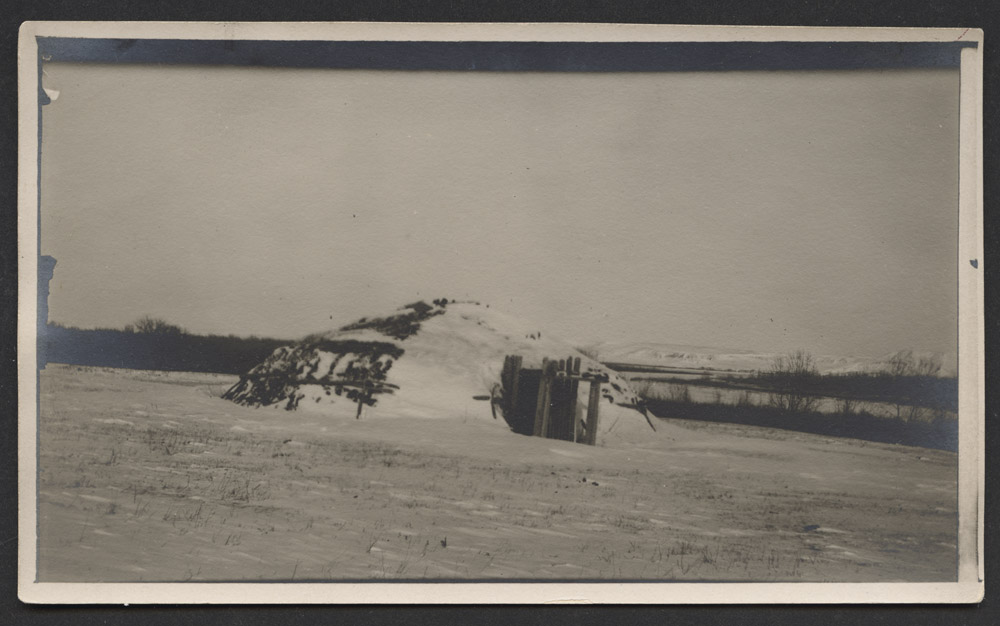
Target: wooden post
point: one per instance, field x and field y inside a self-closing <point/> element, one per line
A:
<point x="505" y="376"/>
<point x="515" y="377"/>
<point x="548" y="376"/>
<point x="509" y="379"/>
<point x="574" y="391"/>
<point x="593" y="411"/>
<point x="542" y="402"/>
<point x="557" y="401"/>
<point x="564" y="409"/>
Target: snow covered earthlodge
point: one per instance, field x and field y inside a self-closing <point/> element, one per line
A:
<point x="438" y="360"/>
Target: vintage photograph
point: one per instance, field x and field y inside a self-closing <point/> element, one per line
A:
<point x="454" y="309"/>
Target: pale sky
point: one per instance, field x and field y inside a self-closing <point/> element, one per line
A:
<point x="759" y="210"/>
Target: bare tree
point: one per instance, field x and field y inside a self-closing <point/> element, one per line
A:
<point x="153" y="326"/>
<point x="928" y="365"/>
<point x="799" y="364"/>
<point x="905" y="364"/>
<point x="791" y="375"/>
<point x="850" y="406"/>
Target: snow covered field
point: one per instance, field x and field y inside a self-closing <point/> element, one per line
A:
<point x="151" y="476"/>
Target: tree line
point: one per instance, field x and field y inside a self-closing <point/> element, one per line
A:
<point x="154" y="344"/>
<point x="910" y="383"/>
<point x="924" y="403"/>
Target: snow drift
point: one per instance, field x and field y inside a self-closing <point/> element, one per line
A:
<point x="424" y="360"/>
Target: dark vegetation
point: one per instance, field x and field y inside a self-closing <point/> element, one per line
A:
<point x="267" y="375"/>
<point x="909" y="382"/>
<point x="936" y="432"/>
<point x="924" y="404"/>
<point x="153" y="344"/>
<point x="360" y="379"/>
<point x="363" y="367"/>
<point x="401" y="325"/>
<point x="153" y="326"/>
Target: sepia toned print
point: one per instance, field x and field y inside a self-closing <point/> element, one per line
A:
<point x="386" y="315"/>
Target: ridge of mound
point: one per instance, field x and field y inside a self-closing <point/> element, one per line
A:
<point x="423" y="360"/>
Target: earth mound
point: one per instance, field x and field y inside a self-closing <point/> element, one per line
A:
<point x="434" y="360"/>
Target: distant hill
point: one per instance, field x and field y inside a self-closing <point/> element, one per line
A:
<point x="703" y="357"/>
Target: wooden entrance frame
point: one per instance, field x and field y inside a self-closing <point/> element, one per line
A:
<point x="556" y="402"/>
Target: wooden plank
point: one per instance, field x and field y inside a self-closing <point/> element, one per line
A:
<point x="593" y="412"/>
<point x="505" y="379"/>
<point x="563" y="419"/>
<point x="562" y="430"/>
<point x="571" y="421"/>
<point x="649" y="420"/>
<point x="574" y="394"/>
<point x="560" y="421"/>
<point x="568" y="432"/>
<point x="515" y="374"/>
<point x="548" y="375"/>
<point x="505" y="376"/>
<point x="541" y="402"/>
<point x="556" y="403"/>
